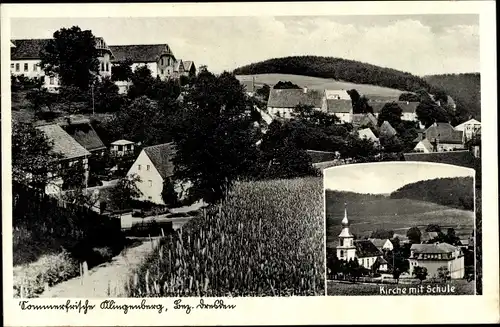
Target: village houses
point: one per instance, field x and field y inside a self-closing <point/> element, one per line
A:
<point x="282" y="102"/>
<point x="441" y="137"/>
<point x="159" y="58"/>
<point x="435" y="256"/>
<point x="121" y="148"/>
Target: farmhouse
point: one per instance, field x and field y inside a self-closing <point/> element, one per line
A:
<point x="341" y="108"/>
<point x="443" y="137"/>
<point x="367" y="134"/>
<point x="85" y="135"/>
<point x="435" y="256"/>
<point x="469" y="129"/>
<point x="337" y="95"/>
<point x="363" y="250"/>
<point x="424" y="146"/>
<point x="72" y="153"/>
<point x="282" y="102"/>
<point x="154" y="166"/>
<point x="121" y="148"/>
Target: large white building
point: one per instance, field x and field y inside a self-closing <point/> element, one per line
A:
<point x="159" y="58"/>
<point x="435" y="256"/>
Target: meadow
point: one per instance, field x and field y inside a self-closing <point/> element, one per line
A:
<point x="393" y="214"/>
<point x="461" y="287"/>
<point x="265" y="239"/>
<point x="378" y="92"/>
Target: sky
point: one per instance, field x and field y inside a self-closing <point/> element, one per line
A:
<point x="419" y="44"/>
<point x="383" y="178"/>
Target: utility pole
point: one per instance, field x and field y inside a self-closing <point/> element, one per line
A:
<point x="93" y="106"/>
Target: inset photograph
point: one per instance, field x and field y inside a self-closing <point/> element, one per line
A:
<point x="400" y="228"/>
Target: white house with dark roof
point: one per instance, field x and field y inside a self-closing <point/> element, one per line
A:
<point x="153" y="166"/>
<point x="469" y="128"/>
<point x="282" y="102"/>
<point x="121" y="148"/>
<point x="367" y="134"/>
<point x="435" y="256"/>
<point x="337" y="95"/>
<point x="341" y="108"/>
<point x="71" y="151"/>
<point x="443" y="137"/>
<point x="424" y="146"/>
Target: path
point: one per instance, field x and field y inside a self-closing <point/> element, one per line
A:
<point x="105" y="280"/>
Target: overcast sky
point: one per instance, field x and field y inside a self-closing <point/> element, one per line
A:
<point x="420" y="44"/>
<point x="382" y="178"/>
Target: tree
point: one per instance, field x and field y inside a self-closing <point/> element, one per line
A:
<point x="410" y="97"/>
<point x="263" y="92"/>
<point x="72" y="56"/>
<point x="286" y="85"/>
<point x="396" y="272"/>
<point x="360" y="103"/>
<point x="40" y="99"/>
<point x="122" y="71"/>
<point x="168" y="193"/>
<point x="444" y="273"/>
<point x="214" y="137"/>
<point x="420" y="273"/>
<point x="126" y="190"/>
<point x="390" y="112"/>
<point x="142" y="83"/>
<point x="414" y="235"/>
<point x="32" y="155"/>
<point x="382" y="234"/>
<point x="428" y="113"/>
<point x="106" y="96"/>
<point x="442" y="97"/>
<point x="433" y="228"/>
<point x="73" y="176"/>
<point x="451" y="237"/>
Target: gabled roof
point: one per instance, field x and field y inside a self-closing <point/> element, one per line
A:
<point x="387" y="130"/>
<point x="178" y="66"/>
<point x="445" y="133"/>
<point x="469" y="122"/>
<point x="337" y="94"/>
<point x="459" y="158"/>
<point x="63" y="143"/>
<point x="290" y="98"/>
<point x="27" y="48"/>
<point x="364" y="120"/>
<point x="122" y="142"/>
<point x="85" y="135"/>
<point x="188" y="64"/>
<point x="338" y="106"/>
<point x="426" y="144"/>
<point x="161" y="156"/>
<point x="381" y="260"/>
<point x="139" y="53"/>
<point x="427" y="236"/>
<point x="365" y="248"/>
<point x="433" y="248"/>
<point x="378" y="242"/>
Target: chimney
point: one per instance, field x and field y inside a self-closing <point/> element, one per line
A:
<point x="305" y="89"/>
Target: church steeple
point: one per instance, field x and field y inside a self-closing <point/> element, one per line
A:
<point x="345" y="225"/>
<point x="346" y="249"/>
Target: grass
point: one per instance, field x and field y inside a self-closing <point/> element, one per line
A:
<point x="395" y="214"/>
<point x="462" y="287"/>
<point x="266" y="239"/>
<point x="323" y="83"/>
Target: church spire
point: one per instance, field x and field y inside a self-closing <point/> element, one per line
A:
<point x="345" y="225"/>
<point x="345" y="221"/>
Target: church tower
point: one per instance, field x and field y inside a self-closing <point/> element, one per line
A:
<point x="346" y="249"/>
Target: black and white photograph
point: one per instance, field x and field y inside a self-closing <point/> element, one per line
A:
<point x="231" y="153"/>
<point x="400" y="229"/>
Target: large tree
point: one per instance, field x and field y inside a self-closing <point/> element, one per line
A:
<point x="390" y="112"/>
<point x="72" y="56"/>
<point x="214" y="136"/>
<point x="142" y="83"/>
<point x="122" y="71"/>
<point x="414" y="235"/>
<point x="428" y="113"/>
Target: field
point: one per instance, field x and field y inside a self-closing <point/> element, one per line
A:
<point x="266" y="239"/>
<point x="394" y="214"/>
<point x="322" y="83"/>
<point x="462" y="287"/>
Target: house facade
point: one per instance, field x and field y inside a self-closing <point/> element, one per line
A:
<point x="153" y="166"/>
<point x="337" y="95"/>
<point x="342" y="108"/>
<point x="282" y="102"/>
<point x="25" y="60"/>
<point x="382" y="244"/>
<point x="469" y="129"/>
<point x="435" y="256"/>
<point x="122" y="148"/>
<point x="367" y="134"/>
<point x="444" y="137"/>
<point x="424" y="146"/>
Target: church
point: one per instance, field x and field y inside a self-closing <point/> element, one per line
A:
<point x="363" y="250"/>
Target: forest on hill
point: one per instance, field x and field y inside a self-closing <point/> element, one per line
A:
<point x="339" y="69"/>
<point x="457" y="192"/>
<point x="465" y="89"/>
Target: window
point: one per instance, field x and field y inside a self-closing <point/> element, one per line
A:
<point x="162" y="61"/>
<point x="11" y="65"/>
<point x="107" y="66"/>
<point x="35" y="67"/>
<point x="139" y="167"/>
<point x="162" y="71"/>
<point x="17" y="67"/>
<point x="147" y="167"/>
<point x="25" y="67"/>
<point x="149" y="198"/>
<point x="102" y="66"/>
<point x="51" y="82"/>
<point x="341" y="253"/>
<point x="150" y="183"/>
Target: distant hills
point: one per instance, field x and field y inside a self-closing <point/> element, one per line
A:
<point x="376" y="82"/>
<point x="465" y="89"/>
<point x="338" y="69"/>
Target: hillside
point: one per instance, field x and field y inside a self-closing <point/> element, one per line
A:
<point x="373" y="92"/>
<point x="465" y="89"/>
<point x="453" y="192"/>
<point x="338" y="69"/>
